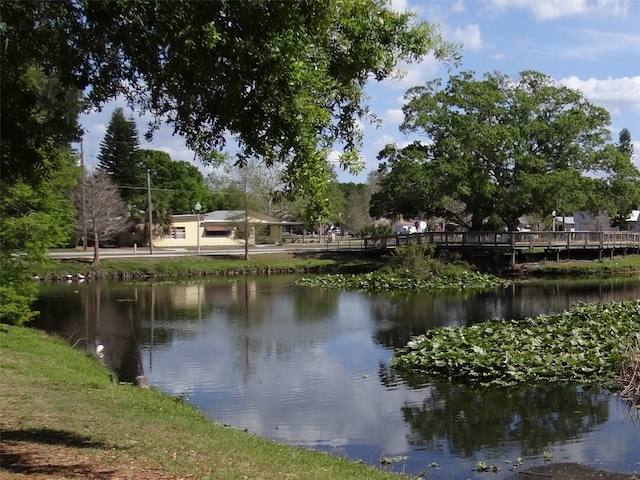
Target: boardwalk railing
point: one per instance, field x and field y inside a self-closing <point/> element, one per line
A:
<point x="518" y="241"/>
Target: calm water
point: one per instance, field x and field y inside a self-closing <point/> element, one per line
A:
<point x="310" y="367"/>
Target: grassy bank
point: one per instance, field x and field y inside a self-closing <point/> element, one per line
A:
<point x="617" y="267"/>
<point x="62" y="416"/>
<point x="144" y="267"/>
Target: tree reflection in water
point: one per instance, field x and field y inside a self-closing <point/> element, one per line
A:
<point x="470" y="419"/>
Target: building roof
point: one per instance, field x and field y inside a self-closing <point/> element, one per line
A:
<point x="234" y="216"/>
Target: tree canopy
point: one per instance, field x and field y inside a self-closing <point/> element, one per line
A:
<point x="504" y="147"/>
<point x="176" y="183"/>
<point x="282" y="79"/>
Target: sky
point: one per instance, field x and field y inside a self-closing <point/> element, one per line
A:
<point x="588" y="45"/>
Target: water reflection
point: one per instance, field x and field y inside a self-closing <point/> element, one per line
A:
<point x="470" y="419"/>
<point x="310" y="367"/>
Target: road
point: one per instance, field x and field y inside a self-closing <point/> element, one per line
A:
<point x="338" y="246"/>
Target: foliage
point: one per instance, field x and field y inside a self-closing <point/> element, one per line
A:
<point x="177" y="185"/>
<point x="120" y="160"/>
<point x="398" y="281"/>
<point x="414" y="260"/>
<point x="283" y="80"/>
<point x="101" y="213"/>
<point x="499" y="146"/>
<point x="34" y="217"/>
<point x="583" y="345"/>
<point x="357" y="197"/>
<point x="629" y="376"/>
<point x="625" y="145"/>
<point x="377" y="232"/>
<point x="404" y="184"/>
<point x="227" y="193"/>
<point x="39" y="114"/>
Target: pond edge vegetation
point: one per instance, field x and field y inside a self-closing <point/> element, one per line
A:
<point x="588" y="344"/>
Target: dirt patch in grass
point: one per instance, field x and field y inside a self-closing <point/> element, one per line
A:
<point x="33" y="455"/>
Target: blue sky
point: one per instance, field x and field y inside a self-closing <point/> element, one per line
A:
<point x="589" y="45"/>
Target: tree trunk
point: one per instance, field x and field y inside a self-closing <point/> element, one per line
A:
<point x="96" y="250"/>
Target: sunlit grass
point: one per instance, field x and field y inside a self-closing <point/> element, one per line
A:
<point x="49" y="390"/>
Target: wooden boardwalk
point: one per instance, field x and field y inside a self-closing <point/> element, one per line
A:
<point x="521" y="242"/>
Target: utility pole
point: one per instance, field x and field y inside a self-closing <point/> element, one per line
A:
<point x="84" y="196"/>
<point x="149" y="209"/>
<point x="246" y="220"/>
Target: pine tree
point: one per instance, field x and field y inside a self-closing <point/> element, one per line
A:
<point x="624" y="143"/>
<point x="119" y="157"/>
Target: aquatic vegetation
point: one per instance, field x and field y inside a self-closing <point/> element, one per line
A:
<point x="586" y="344"/>
<point x="629" y="377"/>
<point x="394" y="281"/>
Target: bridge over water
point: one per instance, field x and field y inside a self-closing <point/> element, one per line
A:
<point x="598" y="244"/>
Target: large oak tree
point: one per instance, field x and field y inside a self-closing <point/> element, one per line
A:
<point x="504" y="147"/>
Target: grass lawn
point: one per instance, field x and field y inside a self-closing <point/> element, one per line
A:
<point x="62" y="416"/>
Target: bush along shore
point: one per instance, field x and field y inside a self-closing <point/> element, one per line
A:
<point x="589" y="344"/>
<point x="410" y="268"/>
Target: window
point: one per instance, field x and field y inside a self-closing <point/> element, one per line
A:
<point x="217" y="231"/>
<point x="178" y="232"/>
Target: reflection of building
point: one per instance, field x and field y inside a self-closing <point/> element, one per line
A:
<point x="222" y="227"/>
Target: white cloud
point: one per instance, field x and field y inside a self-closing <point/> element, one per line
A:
<point x="393" y="116"/>
<point x="600" y="43"/>
<point x="553" y="9"/>
<point x="382" y="141"/>
<point x="458" y="6"/>
<point x="334" y="156"/>
<point x="399" y="5"/>
<point x="619" y="93"/>
<point x="469" y="36"/>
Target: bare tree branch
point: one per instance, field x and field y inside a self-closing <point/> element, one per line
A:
<point x="100" y="211"/>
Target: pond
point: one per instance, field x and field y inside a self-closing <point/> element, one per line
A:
<point x="310" y="367"/>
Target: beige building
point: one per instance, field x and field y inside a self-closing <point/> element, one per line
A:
<point x="222" y="228"/>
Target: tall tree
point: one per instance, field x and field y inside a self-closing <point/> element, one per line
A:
<point x="284" y="80"/>
<point x="34" y="217"/>
<point x="357" y="197"/>
<point x="176" y="183"/>
<point x="625" y="146"/>
<point x="38" y="121"/>
<point x="101" y="213"/>
<point x="119" y="157"/>
<point x="506" y="147"/>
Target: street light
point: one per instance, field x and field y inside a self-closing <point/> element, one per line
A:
<point x="198" y="207"/>
<point x="553" y="214"/>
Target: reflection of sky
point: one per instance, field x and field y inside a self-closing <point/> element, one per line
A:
<point x="310" y="378"/>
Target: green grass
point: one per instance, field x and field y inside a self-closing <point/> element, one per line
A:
<point x="208" y="265"/>
<point x="64" y="409"/>
<point x="619" y="266"/>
